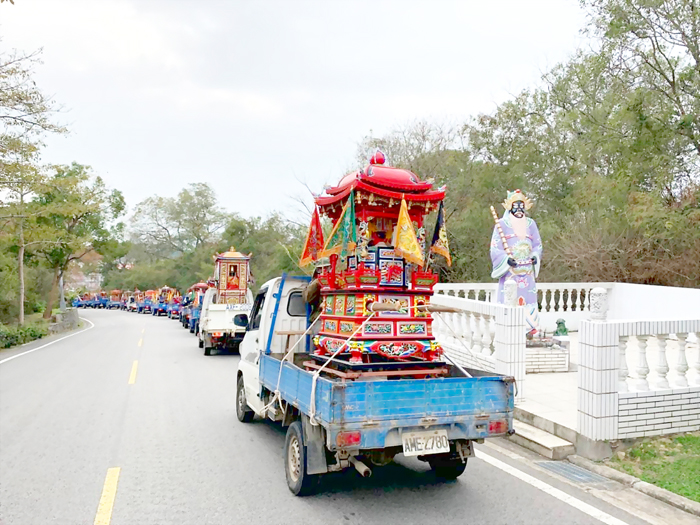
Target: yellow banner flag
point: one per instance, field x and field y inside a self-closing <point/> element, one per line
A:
<point x="404" y="239"/>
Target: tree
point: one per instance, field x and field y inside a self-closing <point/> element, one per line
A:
<point x="655" y="45"/>
<point x="20" y="211"/>
<point x="170" y="227"/>
<point x="80" y="209"/>
<point x="25" y="115"/>
<point x="25" y="112"/>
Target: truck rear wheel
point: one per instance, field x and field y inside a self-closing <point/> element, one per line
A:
<point x="448" y="468"/>
<point x="243" y="411"/>
<point x="299" y="481"/>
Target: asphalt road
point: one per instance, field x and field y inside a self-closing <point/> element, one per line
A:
<point x="166" y="431"/>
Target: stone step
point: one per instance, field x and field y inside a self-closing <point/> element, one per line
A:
<point x="545" y="424"/>
<point x="544" y="443"/>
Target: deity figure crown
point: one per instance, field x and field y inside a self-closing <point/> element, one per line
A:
<point x="514" y="196"/>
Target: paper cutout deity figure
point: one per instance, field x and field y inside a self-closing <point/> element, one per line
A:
<point x="516" y="252"/>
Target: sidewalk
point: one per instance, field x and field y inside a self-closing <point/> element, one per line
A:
<point x="554" y="396"/>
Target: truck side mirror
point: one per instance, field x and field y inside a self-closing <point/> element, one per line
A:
<point x="241" y="320"/>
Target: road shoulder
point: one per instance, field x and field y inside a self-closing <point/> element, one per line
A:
<point x="8" y="354"/>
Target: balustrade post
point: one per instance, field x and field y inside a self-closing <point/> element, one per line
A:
<point x="459" y="324"/>
<point x="661" y="368"/>
<point x="467" y="328"/>
<point x="486" y="338"/>
<point x="547" y="297"/>
<point x="454" y="333"/>
<point x="623" y="371"/>
<point x="510" y="293"/>
<point x="642" y="368"/>
<point x="679" y="378"/>
<point x="694" y="379"/>
<point x="476" y="337"/>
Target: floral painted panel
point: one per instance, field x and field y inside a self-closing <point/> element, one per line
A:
<point x="379" y="328"/>
<point x="413" y="329"/>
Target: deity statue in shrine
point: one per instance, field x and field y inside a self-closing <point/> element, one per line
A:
<point x="233" y="281"/>
<point x="516" y="252"/>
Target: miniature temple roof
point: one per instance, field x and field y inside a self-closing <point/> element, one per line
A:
<point x="231" y="254"/>
<point x="382" y="181"/>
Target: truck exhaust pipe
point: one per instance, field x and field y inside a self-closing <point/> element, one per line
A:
<point x="363" y="469"/>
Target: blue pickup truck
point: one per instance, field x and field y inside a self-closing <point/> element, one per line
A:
<point x="335" y="422"/>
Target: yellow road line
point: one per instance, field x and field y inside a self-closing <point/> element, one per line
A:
<point x="109" y="492"/>
<point x="140" y="342"/>
<point x="143" y="330"/>
<point x="134" y="368"/>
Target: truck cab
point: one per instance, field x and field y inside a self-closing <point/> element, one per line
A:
<point x="272" y="333"/>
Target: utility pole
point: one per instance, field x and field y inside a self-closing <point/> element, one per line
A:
<point x="62" y="300"/>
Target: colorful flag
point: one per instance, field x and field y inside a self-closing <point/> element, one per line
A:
<point x="440" y="245"/>
<point x="344" y="235"/>
<point x="404" y="239"/>
<point x="314" y="241"/>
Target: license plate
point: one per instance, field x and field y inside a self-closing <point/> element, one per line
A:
<point x="424" y="443"/>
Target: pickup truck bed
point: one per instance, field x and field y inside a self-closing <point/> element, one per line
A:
<point x="381" y="409"/>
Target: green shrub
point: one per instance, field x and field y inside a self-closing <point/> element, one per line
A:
<point x="18" y="335"/>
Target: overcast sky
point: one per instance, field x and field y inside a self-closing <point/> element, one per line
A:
<point x="249" y="95"/>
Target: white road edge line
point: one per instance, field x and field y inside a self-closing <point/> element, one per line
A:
<point x="548" y="489"/>
<point x="92" y="325"/>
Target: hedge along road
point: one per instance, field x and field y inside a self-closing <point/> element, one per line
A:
<point x="129" y="423"/>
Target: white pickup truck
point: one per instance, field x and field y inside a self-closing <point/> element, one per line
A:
<point x="336" y="422"/>
<point x="222" y="326"/>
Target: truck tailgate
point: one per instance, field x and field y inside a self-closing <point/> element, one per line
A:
<point x="220" y="319"/>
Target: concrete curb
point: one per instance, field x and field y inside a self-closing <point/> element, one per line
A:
<point x="684" y="504"/>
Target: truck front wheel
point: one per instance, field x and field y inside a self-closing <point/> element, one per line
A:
<point x="299" y="481"/>
<point x="243" y="411"/>
<point x="448" y="468"/>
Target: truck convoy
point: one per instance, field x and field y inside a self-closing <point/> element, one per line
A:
<point x="347" y="361"/>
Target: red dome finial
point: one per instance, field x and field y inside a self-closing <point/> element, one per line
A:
<point x="378" y="158"/>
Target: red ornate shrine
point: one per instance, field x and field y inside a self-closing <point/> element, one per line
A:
<point x="232" y="271"/>
<point x="373" y="271"/>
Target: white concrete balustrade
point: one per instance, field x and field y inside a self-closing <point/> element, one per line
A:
<point x="569" y="301"/>
<point x="637" y="377"/>
<point x="658" y="361"/>
<point x="637" y="351"/>
<point x="483" y="335"/>
<point x="572" y="301"/>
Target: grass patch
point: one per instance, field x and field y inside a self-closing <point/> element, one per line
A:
<point x="669" y="462"/>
